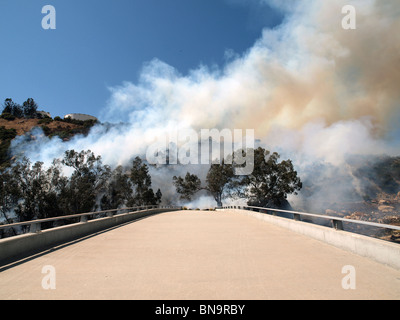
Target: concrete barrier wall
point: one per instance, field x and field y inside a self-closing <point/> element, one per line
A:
<point x="379" y="250"/>
<point x="21" y="246"/>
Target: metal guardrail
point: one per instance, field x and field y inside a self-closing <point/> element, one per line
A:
<point x="35" y="225"/>
<point x="337" y="222"/>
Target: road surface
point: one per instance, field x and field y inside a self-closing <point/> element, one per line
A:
<point x="197" y="255"/>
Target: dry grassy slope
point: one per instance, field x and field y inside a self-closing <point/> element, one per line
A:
<point x="25" y="125"/>
<point x="62" y="129"/>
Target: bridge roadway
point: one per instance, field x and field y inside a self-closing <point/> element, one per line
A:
<point x="198" y="255"/>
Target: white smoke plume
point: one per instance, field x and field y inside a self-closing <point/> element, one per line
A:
<point x="312" y="91"/>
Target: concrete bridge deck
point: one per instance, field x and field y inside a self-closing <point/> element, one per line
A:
<point x="198" y="255"/>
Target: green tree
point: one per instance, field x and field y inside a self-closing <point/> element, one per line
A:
<point x="187" y="187"/>
<point x="9" y="193"/>
<point x="158" y="197"/>
<point x="219" y="180"/>
<point x="30" y="108"/>
<point x="118" y="190"/>
<point x="149" y="198"/>
<point x="8" y="106"/>
<point x="55" y="189"/>
<point x="271" y="181"/>
<point x="6" y="136"/>
<point x="31" y="183"/>
<point x="89" y="174"/>
<point x="12" y="108"/>
<point x="141" y="185"/>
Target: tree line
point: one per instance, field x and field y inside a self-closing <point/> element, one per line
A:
<point x="267" y="186"/>
<point x="32" y="191"/>
<point x="29" y="110"/>
<point x="12" y="110"/>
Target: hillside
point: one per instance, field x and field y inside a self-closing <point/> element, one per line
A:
<point x="65" y="129"/>
<point x="23" y="126"/>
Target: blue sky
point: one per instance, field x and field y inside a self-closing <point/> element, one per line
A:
<point x="101" y="43"/>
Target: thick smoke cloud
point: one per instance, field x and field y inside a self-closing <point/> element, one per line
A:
<point x="311" y="90"/>
<point x="307" y="70"/>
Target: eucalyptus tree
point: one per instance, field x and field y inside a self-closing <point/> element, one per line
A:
<point x="219" y="182"/>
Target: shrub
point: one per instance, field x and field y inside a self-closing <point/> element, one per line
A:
<point x="45" y="121"/>
<point x="7" y="134"/>
<point x="8" y="116"/>
<point x="46" y="130"/>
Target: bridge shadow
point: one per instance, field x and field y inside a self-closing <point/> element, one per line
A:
<point x="19" y="260"/>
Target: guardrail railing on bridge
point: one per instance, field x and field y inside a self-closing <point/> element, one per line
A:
<point x="336" y="222"/>
<point x="36" y="225"/>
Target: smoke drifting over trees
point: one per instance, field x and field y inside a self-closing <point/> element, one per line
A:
<point x="77" y="183"/>
<point x="268" y="185"/>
